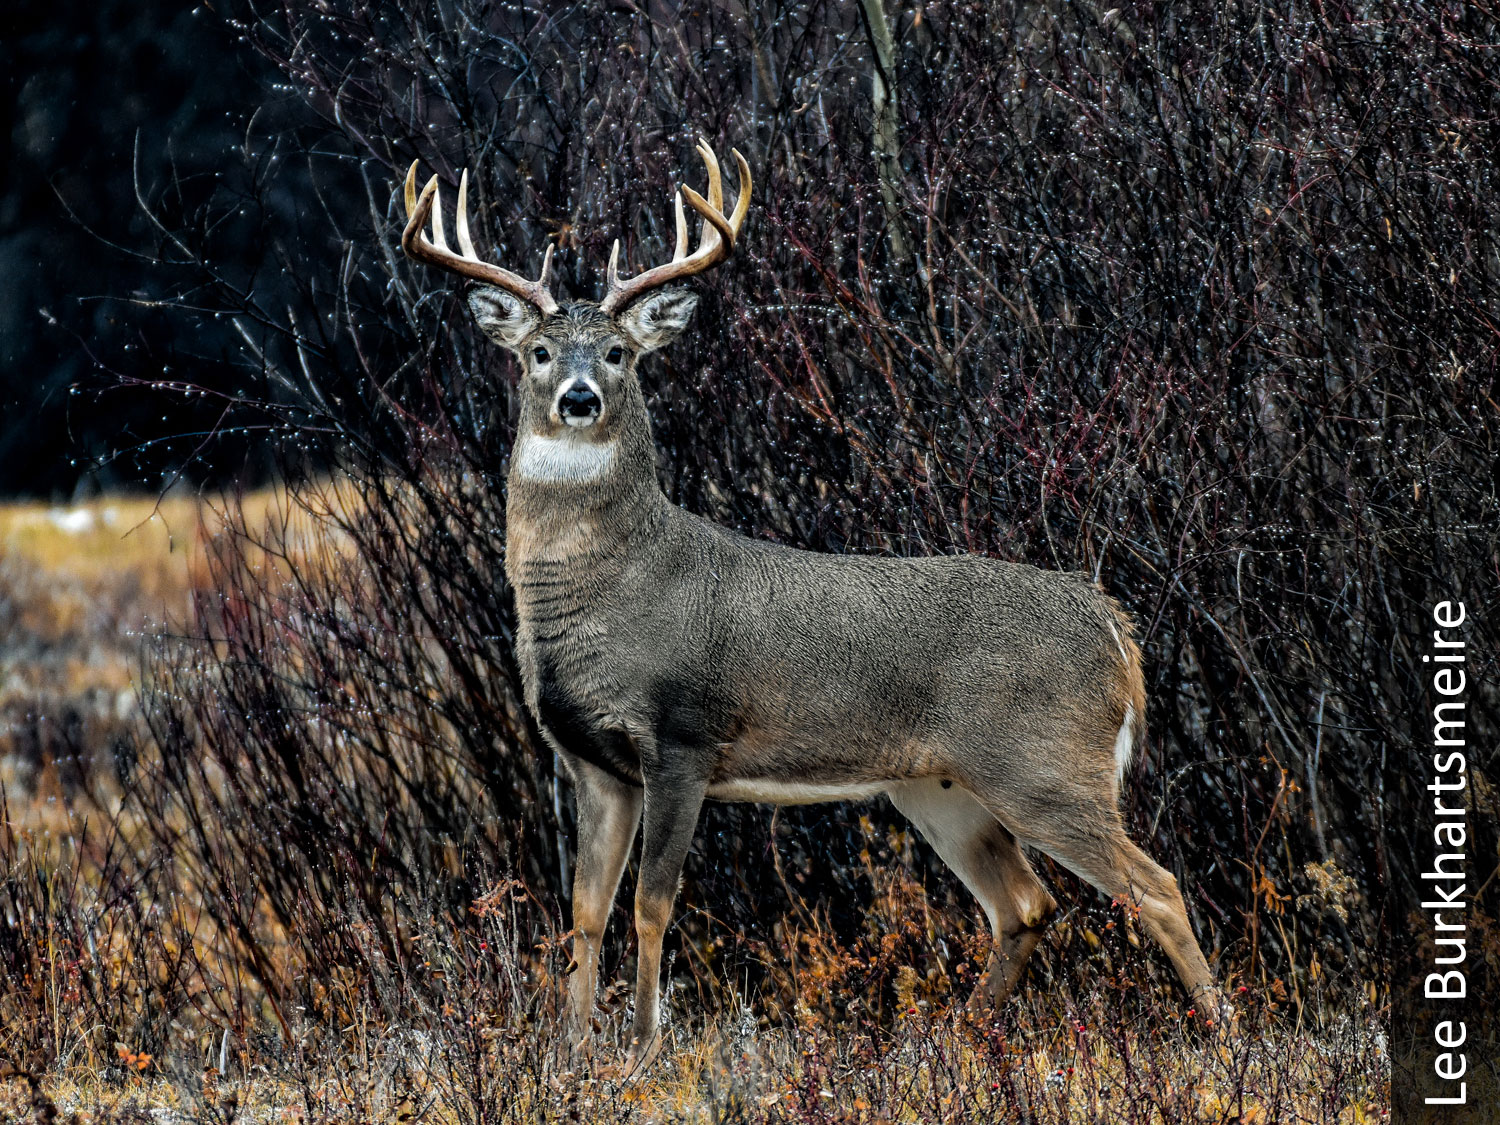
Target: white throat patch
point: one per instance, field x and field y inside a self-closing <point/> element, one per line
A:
<point x="564" y="459"/>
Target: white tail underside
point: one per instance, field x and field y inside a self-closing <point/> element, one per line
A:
<point x="1124" y="744"/>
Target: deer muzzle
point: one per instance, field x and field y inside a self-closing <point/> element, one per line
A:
<point x="579" y="404"/>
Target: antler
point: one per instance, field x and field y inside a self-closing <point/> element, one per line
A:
<point x="715" y="244"/>
<point x="435" y="252"/>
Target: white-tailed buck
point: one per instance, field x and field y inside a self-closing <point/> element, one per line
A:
<point x="668" y="660"/>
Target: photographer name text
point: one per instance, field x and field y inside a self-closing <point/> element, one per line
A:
<point x="1445" y="882"/>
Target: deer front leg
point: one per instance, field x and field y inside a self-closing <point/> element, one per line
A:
<point x="608" y="812"/>
<point x="672" y="807"/>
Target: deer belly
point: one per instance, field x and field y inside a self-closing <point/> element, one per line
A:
<point x="775" y="791"/>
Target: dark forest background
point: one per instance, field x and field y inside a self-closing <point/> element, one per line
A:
<point x="104" y="106"/>
<point x="1199" y="298"/>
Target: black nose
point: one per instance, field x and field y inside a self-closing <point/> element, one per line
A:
<point x="579" y="401"/>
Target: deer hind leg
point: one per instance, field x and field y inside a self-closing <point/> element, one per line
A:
<point x="984" y="854"/>
<point x="1140" y="880"/>
<point x="608" y="813"/>
<point x="1089" y="840"/>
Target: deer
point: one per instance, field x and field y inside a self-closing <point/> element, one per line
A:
<point x="669" y="661"/>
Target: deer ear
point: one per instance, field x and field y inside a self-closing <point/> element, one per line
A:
<point x="657" y="318"/>
<point x="504" y="318"/>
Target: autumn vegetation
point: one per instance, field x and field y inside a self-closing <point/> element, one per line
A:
<point x="1197" y="299"/>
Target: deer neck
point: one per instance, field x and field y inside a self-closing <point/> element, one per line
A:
<point x="579" y="503"/>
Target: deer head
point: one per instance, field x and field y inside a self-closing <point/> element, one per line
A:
<point x="578" y="359"/>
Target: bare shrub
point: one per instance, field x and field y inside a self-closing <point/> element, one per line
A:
<point x="1151" y="296"/>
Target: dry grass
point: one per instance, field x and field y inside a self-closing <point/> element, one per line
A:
<point x="78" y="585"/>
<point x="100" y="542"/>
<point x="1032" y="1065"/>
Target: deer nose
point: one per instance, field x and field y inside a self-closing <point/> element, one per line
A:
<point x="579" y="405"/>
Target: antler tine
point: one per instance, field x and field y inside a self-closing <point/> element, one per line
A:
<point x="742" y="201"/>
<point x="546" y="272"/>
<point x="438" y="238"/>
<point x="715" y="180"/>
<point x="466" y="263"/>
<point x="461" y="219"/>
<point x="411" y="189"/>
<point x="715" y="244"/>
<point x="679" y="251"/>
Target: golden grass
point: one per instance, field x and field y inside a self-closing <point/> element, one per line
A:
<point x="151" y="547"/>
<point x="106" y="541"/>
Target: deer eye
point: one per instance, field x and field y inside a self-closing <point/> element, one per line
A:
<point x="616" y="353"/>
<point x="541" y="354"/>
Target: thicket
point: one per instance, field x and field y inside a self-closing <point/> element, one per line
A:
<point x="1197" y="298"/>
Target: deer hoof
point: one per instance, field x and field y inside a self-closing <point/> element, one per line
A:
<point x="641" y="1055"/>
<point x="1213" y="1008"/>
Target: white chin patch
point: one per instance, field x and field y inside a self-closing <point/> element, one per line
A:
<point x="563" y="459"/>
<point x="579" y="423"/>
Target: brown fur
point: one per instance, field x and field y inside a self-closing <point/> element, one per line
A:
<point x="666" y="658"/>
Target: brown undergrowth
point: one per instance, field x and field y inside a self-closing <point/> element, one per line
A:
<point x="132" y="990"/>
<point x="836" y="1032"/>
